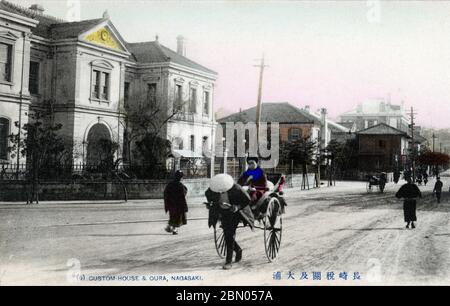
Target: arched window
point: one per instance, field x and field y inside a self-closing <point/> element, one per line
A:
<point x="294" y="134"/>
<point x="205" y="145"/>
<point x="4" y="133"/>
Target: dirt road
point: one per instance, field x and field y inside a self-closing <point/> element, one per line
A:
<point x="335" y="231"/>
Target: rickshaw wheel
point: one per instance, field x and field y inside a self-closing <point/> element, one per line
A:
<point x="219" y="240"/>
<point x="272" y="229"/>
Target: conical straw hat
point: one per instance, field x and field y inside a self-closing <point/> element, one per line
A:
<point x="221" y="183"/>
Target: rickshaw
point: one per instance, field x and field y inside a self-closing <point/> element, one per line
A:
<point x="268" y="211"/>
<point x="378" y="182"/>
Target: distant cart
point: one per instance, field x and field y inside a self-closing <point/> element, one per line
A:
<point x="376" y="182"/>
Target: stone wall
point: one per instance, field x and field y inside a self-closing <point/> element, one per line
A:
<point x="143" y="189"/>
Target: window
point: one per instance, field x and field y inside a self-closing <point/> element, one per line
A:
<point x="294" y="134"/>
<point x="96" y="85"/>
<point x="178" y="97"/>
<point x="100" y="85"/>
<point x="151" y="92"/>
<point x="193" y="101"/>
<point x="105" y="86"/>
<point x="192" y="143"/>
<point x="5" y="62"/>
<point x="126" y="92"/>
<point x="382" y="143"/>
<point x="4" y="134"/>
<point x="205" y="146"/>
<point x="206" y="103"/>
<point x="34" y="78"/>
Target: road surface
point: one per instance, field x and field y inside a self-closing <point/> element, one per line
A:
<point x="330" y="230"/>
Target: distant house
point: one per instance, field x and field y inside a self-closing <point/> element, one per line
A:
<point x="374" y="111"/>
<point x="382" y="148"/>
<point x="294" y="123"/>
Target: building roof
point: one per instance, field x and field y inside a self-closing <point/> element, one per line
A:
<point x="45" y="21"/>
<point x="66" y="30"/>
<point x="348" y="125"/>
<point x="154" y="52"/>
<point x="186" y="154"/>
<point x="270" y="112"/>
<point x="51" y="27"/>
<point x="382" y="129"/>
<point x="419" y="138"/>
<point x="333" y="126"/>
<point x="376" y="107"/>
<point x="281" y="112"/>
<point x="55" y="29"/>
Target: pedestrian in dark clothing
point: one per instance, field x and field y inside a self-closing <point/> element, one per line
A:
<point x="438" y="189"/>
<point x="409" y="192"/>
<point x="396" y="176"/>
<point x="419" y="179"/>
<point x="175" y="203"/>
<point x="382" y="181"/>
<point x="231" y="203"/>
<point x="425" y="178"/>
<point x="407" y="175"/>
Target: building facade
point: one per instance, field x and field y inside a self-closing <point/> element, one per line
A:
<point x="382" y="148"/>
<point x="85" y="70"/>
<point x="374" y="111"/>
<point x="294" y="123"/>
<point x="15" y="97"/>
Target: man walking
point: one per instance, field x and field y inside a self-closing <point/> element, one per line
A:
<point x="231" y="203"/>
<point x="175" y="203"/>
<point x="438" y="189"/>
<point x="409" y="192"/>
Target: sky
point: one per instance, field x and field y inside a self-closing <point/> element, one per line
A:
<point x="332" y="54"/>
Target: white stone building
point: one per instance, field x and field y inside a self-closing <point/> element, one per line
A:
<point x="374" y="111"/>
<point x="85" y="70"/>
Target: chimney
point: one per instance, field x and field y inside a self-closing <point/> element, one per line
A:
<point x="37" y="9"/>
<point x="307" y="109"/>
<point x="105" y="15"/>
<point x="181" y="45"/>
<point x="382" y="106"/>
<point x="359" y="108"/>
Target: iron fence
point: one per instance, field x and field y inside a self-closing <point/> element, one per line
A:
<point x="102" y="171"/>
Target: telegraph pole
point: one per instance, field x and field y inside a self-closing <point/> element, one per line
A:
<point x="258" y="105"/>
<point x="434" y="137"/>
<point x="413" y="147"/>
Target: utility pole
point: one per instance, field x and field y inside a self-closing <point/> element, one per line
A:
<point x="434" y="137"/>
<point x="413" y="145"/>
<point x="258" y="105"/>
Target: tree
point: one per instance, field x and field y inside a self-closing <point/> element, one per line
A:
<point x="434" y="159"/>
<point x="342" y="155"/>
<point x="42" y="145"/>
<point x="153" y="151"/>
<point x="300" y="152"/>
<point x="145" y="115"/>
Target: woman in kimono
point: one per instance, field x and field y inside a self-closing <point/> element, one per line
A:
<point x="230" y="203"/>
<point x="255" y="178"/>
<point x="175" y="203"/>
<point x="409" y="192"/>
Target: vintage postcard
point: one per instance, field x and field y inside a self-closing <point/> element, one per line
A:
<point x="232" y="143"/>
